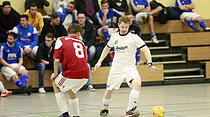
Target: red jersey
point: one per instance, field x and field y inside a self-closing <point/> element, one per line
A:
<point x="73" y="56"/>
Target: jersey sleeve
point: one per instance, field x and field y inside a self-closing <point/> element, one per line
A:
<point x="146" y="4"/>
<point x="2" y="52"/>
<point x="58" y="49"/>
<point x="19" y="55"/>
<point x="132" y="3"/>
<point x="110" y="44"/>
<point x="178" y="3"/>
<point x="139" y="42"/>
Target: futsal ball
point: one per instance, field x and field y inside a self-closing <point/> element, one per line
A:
<point x="158" y="111"/>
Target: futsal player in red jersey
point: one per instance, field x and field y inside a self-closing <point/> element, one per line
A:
<point x="72" y="54"/>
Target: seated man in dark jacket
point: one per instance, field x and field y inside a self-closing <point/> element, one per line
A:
<point x="44" y="58"/>
<point x="54" y="26"/>
<point x="9" y="19"/>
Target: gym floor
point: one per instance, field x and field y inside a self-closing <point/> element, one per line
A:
<point x="192" y="100"/>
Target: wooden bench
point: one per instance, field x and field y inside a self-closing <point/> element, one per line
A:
<point x="172" y="26"/>
<point x="33" y="79"/>
<point x="198" y="53"/>
<point x="190" y="39"/>
<point x="28" y="62"/>
<point x="98" y="77"/>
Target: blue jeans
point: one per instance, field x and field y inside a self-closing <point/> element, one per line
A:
<point x="91" y="53"/>
<point x="41" y="68"/>
<point x="89" y="82"/>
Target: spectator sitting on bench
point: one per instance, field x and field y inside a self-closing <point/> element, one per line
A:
<point x="9" y="19"/>
<point x="105" y="20"/>
<point x="188" y="16"/>
<point x="27" y="37"/>
<point x="11" y="63"/>
<point x="54" y="26"/>
<point x="44" y="58"/>
<point x="141" y="10"/>
<point x="68" y="15"/>
<point x="35" y="18"/>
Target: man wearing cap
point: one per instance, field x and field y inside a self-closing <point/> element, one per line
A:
<point x="9" y="19"/>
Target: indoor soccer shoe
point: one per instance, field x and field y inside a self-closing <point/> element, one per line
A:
<point x="104" y="112"/>
<point x="6" y="93"/>
<point x="132" y="113"/>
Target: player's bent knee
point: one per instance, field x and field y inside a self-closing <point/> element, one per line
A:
<point x="136" y="83"/>
<point x="72" y="95"/>
<point x="109" y="92"/>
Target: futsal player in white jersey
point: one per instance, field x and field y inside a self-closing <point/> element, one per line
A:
<point x="125" y="45"/>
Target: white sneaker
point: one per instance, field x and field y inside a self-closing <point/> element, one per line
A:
<point x="90" y="87"/>
<point x="42" y="91"/>
<point x="154" y="40"/>
<point x="207" y="29"/>
<point x="6" y="93"/>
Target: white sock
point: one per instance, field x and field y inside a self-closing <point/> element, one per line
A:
<point x="2" y="87"/>
<point x="61" y="101"/>
<point x="74" y="104"/>
<point x="133" y="97"/>
<point x="106" y="103"/>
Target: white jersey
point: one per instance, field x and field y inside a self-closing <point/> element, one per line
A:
<point x="125" y="48"/>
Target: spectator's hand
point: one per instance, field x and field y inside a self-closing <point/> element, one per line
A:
<point x="27" y="50"/>
<point x="155" y="69"/>
<point x="16" y="69"/>
<point x="98" y="64"/>
<point x="75" y="12"/>
<point x="44" y="62"/>
<point x="53" y="76"/>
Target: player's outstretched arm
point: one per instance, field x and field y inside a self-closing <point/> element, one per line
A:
<point x="148" y="56"/>
<point x="103" y="55"/>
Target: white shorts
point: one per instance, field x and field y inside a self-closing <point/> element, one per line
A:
<point x="141" y="17"/>
<point x="191" y="15"/>
<point x="66" y="84"/>
<point x="8" y="72"/>
<point x="110" y="30"/>
<point x="118" y="74"/>
<point x="33" y="53"/>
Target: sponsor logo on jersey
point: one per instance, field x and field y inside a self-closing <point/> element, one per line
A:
<point x="12" y="56"/>
<point x="120" y="48"/>
<point x="29" y="34"/>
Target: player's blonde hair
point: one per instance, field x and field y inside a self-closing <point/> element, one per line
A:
<point x="124" y="19"/>
<point x="75" y="28"/>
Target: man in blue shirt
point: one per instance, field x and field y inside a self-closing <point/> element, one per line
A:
<point x="68" y="15"/>
<point x="11" y="62"/>
<point x="141" y="10"/>
<point x="105" y="20"/>
<point x="26" y="36"/>
<point x="188" y="16"/>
